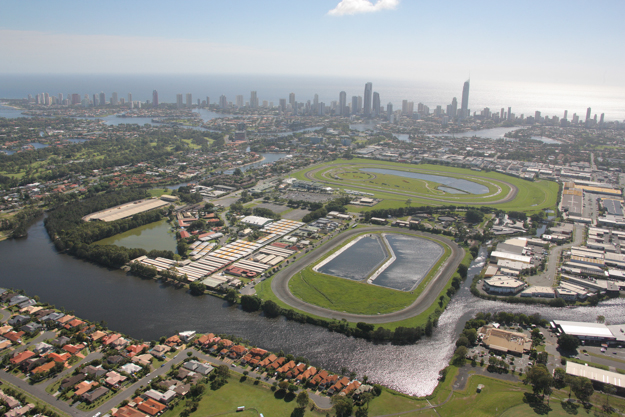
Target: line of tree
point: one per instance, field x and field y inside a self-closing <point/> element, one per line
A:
<point x="20" y="222"/>
<point x="76" y="237"/>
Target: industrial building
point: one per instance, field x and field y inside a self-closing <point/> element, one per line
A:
<point x="585" y="331"/>
<point x="502" y="285"/>
<point x="505" y="341"/>
<point x="599" y="377"/>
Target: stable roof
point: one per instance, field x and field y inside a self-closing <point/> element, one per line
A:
<point x="595" y="374"/>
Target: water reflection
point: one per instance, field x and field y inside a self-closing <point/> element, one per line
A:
<point x="463" y="185"/>
<point x="147" y="310"/>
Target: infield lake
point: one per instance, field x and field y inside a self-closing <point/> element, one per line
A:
<point x="460" y="184"/>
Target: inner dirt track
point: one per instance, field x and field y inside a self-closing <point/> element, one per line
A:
<point x="280" y="283"/>
<point x="508" y="198"/>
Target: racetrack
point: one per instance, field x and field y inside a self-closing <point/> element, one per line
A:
<point x="310" y="175"/>
<point x="280" y="283"/>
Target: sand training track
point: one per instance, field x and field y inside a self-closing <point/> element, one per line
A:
<point x="280" y="283"/>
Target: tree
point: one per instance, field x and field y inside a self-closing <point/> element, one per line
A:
<point x="600" y="319"/>
<point x="250" y="302"/>
<point x="608" y="390"/>
<point x="460" y="356"/>
<point x="302" y="399"/>
<point x="540" y="379"/>
<point x="584" y="390"/>
<point x="343" y="406"/>
<point x="271" y="309"/>
<point x="293" y="388"/>
<point x="474" y="216"/>
<point x="283" y="385"/>
<point x="197" y="288"/>
<point x="568" y="343"/>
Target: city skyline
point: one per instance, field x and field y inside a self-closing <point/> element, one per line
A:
<point x="498" y="43"/>
<point x="373" y="107"/>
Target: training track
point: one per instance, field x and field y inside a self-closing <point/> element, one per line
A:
<point x="280" y="283"/>
<point x="507" y="199"/>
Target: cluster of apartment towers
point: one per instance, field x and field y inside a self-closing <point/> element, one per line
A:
<point x="369" y="105"/>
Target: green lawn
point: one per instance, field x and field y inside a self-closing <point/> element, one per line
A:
<point x="532" y="196"/>
<point x="234" y="394"/>
<point x="345" y="295"/>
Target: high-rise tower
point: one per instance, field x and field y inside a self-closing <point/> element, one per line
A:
<point x="367" y="100"/>
<point x="464" y="109"/>
<point x="375" y="111"/>
<point x="154" y="98"/>
<point x="343" y="103"/>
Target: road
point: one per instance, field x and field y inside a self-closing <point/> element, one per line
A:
<point x="546" y="278"/>
<point x="280" y="283"/>
<point x="508" y="198"/>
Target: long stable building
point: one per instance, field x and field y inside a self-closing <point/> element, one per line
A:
<point x="126" y="210"/>
<point x="232" y="255"/>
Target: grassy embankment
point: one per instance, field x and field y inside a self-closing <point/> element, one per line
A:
<point x="355" y="297"/>
<point x="532" y="196"/>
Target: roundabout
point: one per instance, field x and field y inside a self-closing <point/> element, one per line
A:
<point x="414" y="304"/>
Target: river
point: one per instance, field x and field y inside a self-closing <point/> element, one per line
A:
<point x="147" y="310"/>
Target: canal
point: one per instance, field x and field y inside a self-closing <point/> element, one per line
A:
<point x="147" y="310"/>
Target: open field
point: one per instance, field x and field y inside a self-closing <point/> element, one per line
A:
<point x="505" y="192"/>
<point x="235" y="393"/>
<point x="344" y="295"/>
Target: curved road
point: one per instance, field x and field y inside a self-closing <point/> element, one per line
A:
<point x="508" y="198"/>
<point x="280" y="283"/>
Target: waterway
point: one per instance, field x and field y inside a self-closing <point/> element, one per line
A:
<point x="10" y="112"/>
<point x="460" y="184"/>
<point x="157" y="235"/>
<point x="358" y="261"/>
<point x="147" y="310"/>
<point x="415" y="258"/>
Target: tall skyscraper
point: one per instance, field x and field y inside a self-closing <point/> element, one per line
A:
<point x="95" y="100"/>
<point x="102" y="98"/>
<point x="355" y="108"/>
<point x="114" y="100"/>
<point x="189" y="100"/>
<point x="566" y="113"/>
<point x="602" y="118"/>
<point x="502" y="113"/>
<point x="588" y="111"/>
<point x="223" y="102"/>
<point x="375" y="111"/>
<point x="316" y="104"/>
<point x="283" y="104"/>
<point x="292" y="99"/>
<point x="253" y="100"/>
<point x="367" y="101"/>
<point x="130" y="99"/>
<point x="208" y="101"/>
<point x="343" y="103"/>
<point x="239" y="101"/>
<point x="464" y="108"/>
<point x="359" y="106"/>
<point x="509" y="113"/>
<point x="389" y="112"/>
<point x="154" y="98"/>
<point x="60" y="98"/>
<point x="179" y="101"/>
<point x="75" y="99"/>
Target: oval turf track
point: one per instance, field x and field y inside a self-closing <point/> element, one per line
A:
<point x="508" y="198"/>
<point x="280" y="283"/>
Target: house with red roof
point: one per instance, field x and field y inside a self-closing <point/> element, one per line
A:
<point x="22" y="356"/>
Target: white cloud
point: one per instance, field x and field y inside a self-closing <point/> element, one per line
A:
<point x="362" y="6"/>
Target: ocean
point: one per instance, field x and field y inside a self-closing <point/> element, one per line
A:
<point x="523" y="98"/>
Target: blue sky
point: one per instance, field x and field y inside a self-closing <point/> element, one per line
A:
<point x="576" y="42"/>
